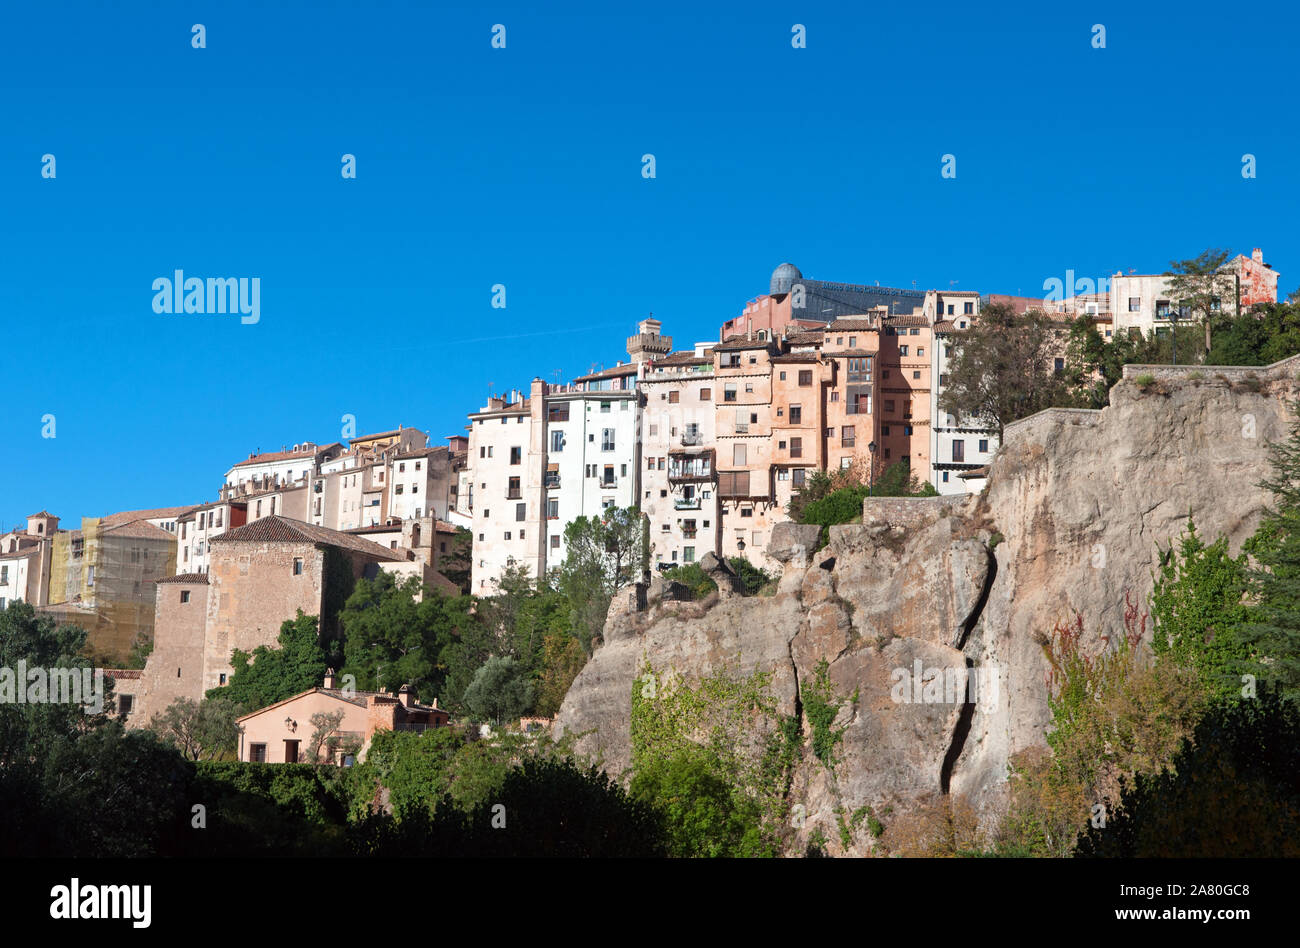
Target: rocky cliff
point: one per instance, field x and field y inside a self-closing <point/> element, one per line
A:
<point x="926" y="594"/>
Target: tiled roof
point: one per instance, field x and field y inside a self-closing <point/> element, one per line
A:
<point x="382" y="434"/>
<point x="422" y="452"/>
<point x="945" y="325"/>
<point x="907" y="320"/>
<point x="618" y="370"/>
<point x="124" y="674"/>
<point x="736" y="343"/>
<point x="850" y="353"/>
<point x="277" y="529"/>
<point x="805" y="338"/>
<point x="200" y="578"/>
<point x="852" y="325"/>
<point x="286" y="455"/>
<point x="958" y="293"/>
<point x="158" y="513"/>
<point x="796" y="357"/>
<point x="682" y="358"/>
<point x="140" y="530"/>
<point x="43" y="513"/>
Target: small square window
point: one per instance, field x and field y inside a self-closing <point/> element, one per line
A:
<point x="297" y="566"/>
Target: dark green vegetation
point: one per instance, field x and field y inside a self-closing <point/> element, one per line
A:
<point x="753" y="579"/>
<point x="831" y="497"/>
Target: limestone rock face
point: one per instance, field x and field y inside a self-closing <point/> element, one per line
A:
<point x="929" y="608"/>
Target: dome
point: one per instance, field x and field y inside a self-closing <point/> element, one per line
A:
<point x="784" y="277"/>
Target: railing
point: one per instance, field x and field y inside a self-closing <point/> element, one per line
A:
<point x="551" y="481"/>
<point x="514" y="494"/>
<point x="692" y="438"/>
<point x="688" y="503"/>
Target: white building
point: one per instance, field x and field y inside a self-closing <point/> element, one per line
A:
<point x="537" y="463"/>
<point x="1145" y="302"/>
<point x="958" y="446"/>
<point x="679" y="477"/>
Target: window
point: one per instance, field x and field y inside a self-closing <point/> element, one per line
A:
<point x="674" y="398"/>
<point x="907" y="429"/>
<point x="512" y="491"/>
<point x="557" y="442"/>
<point x="859" y="400"/>
<point x="558" y="412"/>
<point x="916" y="374"/>
<point x="796" y="415"/>
<point x="1058" y="366"/>
<point x="257" y="753"/>
<point x="884" y="373"/>
<point x="749" y="388"/>
<point x="738" y="454"/>
<point x="782" y="376"/>
<point x="847" y="438"/>
<point x="688" y="553"/>
<point x="729" y="392"/>
<point x="185" y="595"/>
<point x="902" y="350"/>
<point x="607" y="439"/>
<point x="555" y="541"/>
<point x="399" y="488"/>
<point x="297" y="566"/>
<point x="805" y="377"/>
<point x="608" y="479"/>
<point x="945" y="477"/>
<point x="799" y="477"/>
<point x="853" y="342"/>
<point x="401" y="468"/>
<point x="916" y="332"/>
<point x="747" y="512"/>
<point x="706" y="394"/>
<point x="521" y="510"/>
<point x="733" y="483"/>
<point x="943" y="379"/>
<point x="920" y="351"/>
<point x="125" y="703"/>
<point x="968" y="308"/>
<point x="553" y="509"/>
<point x="516" y="455"/>
<point x="984" y="445"/>
<point x="291" y="752"/>
<point x="1134" y="304"/>
<point x="604" y="408"/>
<point x="507" y="534"/>
<point x="958" y="450"/>
<point x="796" y="447"/>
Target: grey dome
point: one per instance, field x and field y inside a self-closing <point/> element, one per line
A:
<point x="784" y="277"/>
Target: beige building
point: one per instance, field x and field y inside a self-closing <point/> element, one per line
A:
<point x="283" y="732"/>
<point x="25" y="561"/>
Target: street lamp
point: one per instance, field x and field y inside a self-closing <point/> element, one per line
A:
<point x="871" y="467"/>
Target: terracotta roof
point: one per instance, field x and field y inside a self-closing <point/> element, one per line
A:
<point x="422" y="452"/>
<point x="277" y="529"/>
<point x="43" y="513"/>
<point x="158" y="513"/>
<point x="358" y="698"/>
<point x="618" y="370"/>
<point x="372" y="437"/>
<point x="945" y="325"/>
<point x="200" y="578"/>
<point x="737" y="343"/>
<point x="907" y="320"/>
<point x="286" y="455"/>
<point x="140" y="530"/>
<point x="444" y="585"/>
<point x="850" y="353"/>
<point x="796" y="357"/>
<point x="682" y="358"/>
<point x="805" y="338"/>
<point x="852" y="325"/>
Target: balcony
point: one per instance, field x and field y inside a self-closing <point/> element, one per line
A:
<point x="692" y="439"/>
<point x="514" y="494"/>
<point x="551" y="482"/>
<point x="684" y="468"/>
<point x="687" y="503"/>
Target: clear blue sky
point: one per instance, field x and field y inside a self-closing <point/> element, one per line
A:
<point x="522" y="166"/>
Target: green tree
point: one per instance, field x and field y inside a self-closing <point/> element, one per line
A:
<point x="603" y="554"/>
<point x="500" y="691"/>
<point x="391" y="639"/>
<point x="269" y="675"/>
<point x="199" y="730"/>
<point x="563" y="657"/>
<point x="1199" y="289"/>
<point x="1003" y="368"/>
<point x="1198" y="607"/>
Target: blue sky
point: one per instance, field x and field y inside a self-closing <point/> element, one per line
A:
<point x="522" y="166"/>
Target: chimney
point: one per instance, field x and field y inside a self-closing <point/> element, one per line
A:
<point x="435" y="704"/>
<point x="329" y="678"/>
<point x="1257" y="255"/>
<point x="406" y="695"/>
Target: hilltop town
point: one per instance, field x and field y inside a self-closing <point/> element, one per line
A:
<point x="710" y="443"/>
